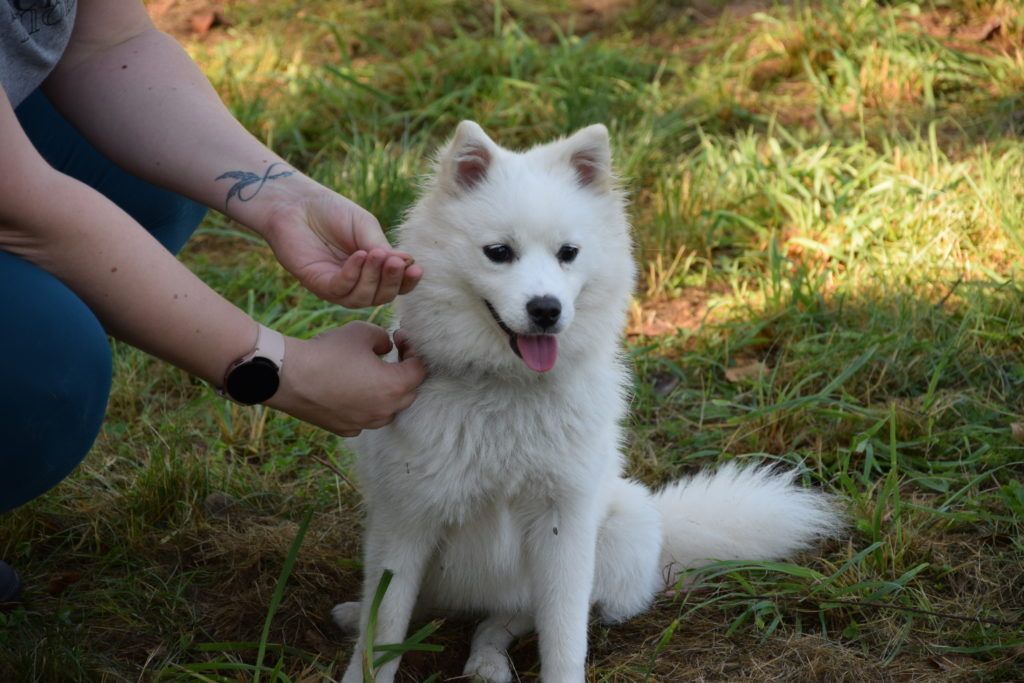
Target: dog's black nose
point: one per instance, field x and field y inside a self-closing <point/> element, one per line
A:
<point x="544" y="311"/>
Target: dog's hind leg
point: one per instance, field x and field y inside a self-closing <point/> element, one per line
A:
<point x="488" y="659"/>
<point x="627" y="575"/>
<point x="403" y="549"/>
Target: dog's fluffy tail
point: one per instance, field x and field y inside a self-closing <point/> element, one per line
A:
<point x="740" y="513"/>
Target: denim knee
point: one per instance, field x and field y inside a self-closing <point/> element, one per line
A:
<point x="56" y="364"/>
<point x="175" y="219"/>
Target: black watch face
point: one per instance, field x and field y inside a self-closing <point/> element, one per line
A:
<point x="253" y="382"/>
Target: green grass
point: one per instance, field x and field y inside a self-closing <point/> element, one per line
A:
<point x="834" y="189"/>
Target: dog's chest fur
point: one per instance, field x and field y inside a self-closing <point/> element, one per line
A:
<point x="467" y="443"/>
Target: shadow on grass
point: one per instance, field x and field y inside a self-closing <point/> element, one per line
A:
<point x="858" y="391"/>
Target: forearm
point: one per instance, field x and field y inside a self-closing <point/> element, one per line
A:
<point x="147" y="106"/>
<point x="137" y="289"/>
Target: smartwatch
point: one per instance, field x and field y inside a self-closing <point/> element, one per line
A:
<point x="255" y="377"/>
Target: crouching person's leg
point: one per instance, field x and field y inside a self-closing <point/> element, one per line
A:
<point x="56" y="368"/>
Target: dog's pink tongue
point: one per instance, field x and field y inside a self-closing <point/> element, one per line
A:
<point x="539" y="351"/>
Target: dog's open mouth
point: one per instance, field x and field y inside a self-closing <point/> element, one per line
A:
<point x="538" y="351"/>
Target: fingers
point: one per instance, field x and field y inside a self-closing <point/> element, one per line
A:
<point x="397" y="406"/>
<point x="406" y="401"/>
<point x="344" y="280"/>
<point x="391" y="279"/>
<point x="406" y="376"/>
<point x="381" y="276"/>
<point x="367" y="234"/>
<point x="378" y="282"/>
<point x="403" y="344"/>
<point x="368" y="336"/>
<point x="410" y="373"/>
<point x="381" y="341"/>
<point x="403" y="402"/>
<point x="410" y="279"/>
<point x="369" y="277"/>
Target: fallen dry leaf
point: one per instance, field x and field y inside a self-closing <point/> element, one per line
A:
<point x="219" y="504"/>
<point x="60" y="581"/>
<point x="664" y="383"/>
<point x="956" y="663"/>
<point x="1017" y="431"/>
<point x="984" y="33"/>
<point x="202" y="22"/>
<point x="746" y="370"/>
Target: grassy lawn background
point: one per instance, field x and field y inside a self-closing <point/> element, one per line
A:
<point x="828" y="200"/>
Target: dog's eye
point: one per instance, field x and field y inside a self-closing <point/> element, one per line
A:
<point x="499" y="253"/>
<point x="567" y="254"/>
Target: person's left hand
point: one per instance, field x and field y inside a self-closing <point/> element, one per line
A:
<point x="338" y="251"/>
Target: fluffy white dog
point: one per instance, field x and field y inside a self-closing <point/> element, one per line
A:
<point x="500" y="492"/>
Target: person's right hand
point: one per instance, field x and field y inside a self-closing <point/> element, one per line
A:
<point x="338" y="381"/>
<point x="335" y="247"/>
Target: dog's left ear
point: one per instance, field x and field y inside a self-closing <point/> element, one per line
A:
<point x="589" y="153"/>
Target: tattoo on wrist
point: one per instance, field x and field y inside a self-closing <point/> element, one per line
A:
<point x="245" y="180"/>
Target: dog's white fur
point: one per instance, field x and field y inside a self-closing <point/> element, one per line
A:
<point x="500" y="491"/>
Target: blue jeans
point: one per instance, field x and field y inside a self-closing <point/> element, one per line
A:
<point x="54" y="358"/>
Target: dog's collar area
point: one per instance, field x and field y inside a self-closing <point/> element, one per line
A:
<point x="504" y="328"/>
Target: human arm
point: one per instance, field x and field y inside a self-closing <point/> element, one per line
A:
<point x="144" y="296"/>
<point x="137" y="96"/>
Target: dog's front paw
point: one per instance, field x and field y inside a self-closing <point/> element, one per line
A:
<point x="346" y="616"/>
<point x="489" y="665"/>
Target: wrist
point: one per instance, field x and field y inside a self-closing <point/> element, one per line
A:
<point x="289" y="397"/>
<point x="278" y="201"/>
<point x="256" y="376"/>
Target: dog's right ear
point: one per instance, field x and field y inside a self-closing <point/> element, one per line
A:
<point x="465" y="160"/>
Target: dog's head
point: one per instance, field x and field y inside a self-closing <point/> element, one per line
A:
<point x="526" y="255"/>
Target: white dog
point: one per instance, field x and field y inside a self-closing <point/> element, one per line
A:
<point x="500" y="491"/>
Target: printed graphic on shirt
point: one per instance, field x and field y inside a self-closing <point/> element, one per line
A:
<point x="40" y="15"/>
<point x="33" y="36"/>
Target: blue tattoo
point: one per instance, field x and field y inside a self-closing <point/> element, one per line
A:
<point x="247" y="179"/>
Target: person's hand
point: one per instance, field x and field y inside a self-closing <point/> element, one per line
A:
<point x="337" y="380"/>
<point x="338" y="251"/>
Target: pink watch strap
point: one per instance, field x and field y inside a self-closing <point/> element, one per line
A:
<point x="270" y="345"/>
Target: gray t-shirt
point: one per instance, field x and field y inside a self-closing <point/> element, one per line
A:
<point x="33" y="35"/>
